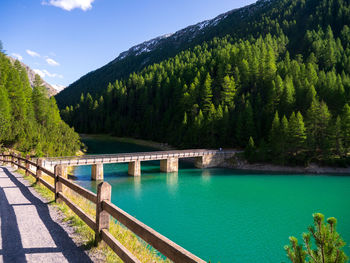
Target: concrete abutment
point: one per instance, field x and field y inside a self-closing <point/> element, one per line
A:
<point x="211" y="160"/>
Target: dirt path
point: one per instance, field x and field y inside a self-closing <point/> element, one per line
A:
<point x="31" y="231"/>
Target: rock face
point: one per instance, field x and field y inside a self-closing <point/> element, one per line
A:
<point x="31" y="76"/>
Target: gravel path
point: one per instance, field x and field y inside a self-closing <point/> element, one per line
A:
<point x="30" y="230"/>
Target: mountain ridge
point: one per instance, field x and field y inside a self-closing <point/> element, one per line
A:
<point x="195" y="28"/>
<point x="163" y="47"/>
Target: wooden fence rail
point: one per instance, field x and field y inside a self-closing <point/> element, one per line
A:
<point x="104" y="210"/>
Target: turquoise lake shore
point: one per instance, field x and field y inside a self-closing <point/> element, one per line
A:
<point x="221" y="214"/>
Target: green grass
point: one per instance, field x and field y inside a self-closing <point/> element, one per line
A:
<point x="147" y="143"/>
<point x="134" y="244"/>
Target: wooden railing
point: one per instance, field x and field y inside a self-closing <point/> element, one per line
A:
<point x="104" y="210"/>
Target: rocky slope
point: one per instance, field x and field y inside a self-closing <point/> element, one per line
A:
<point x="31" y="76"/>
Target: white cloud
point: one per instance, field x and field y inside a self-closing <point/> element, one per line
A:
<point x="44" y="73"/>
<point x="70" y="4"/>
<point x="17" y="56"/>
<point x="32" y="53"/>
<point x="52" y="62"/>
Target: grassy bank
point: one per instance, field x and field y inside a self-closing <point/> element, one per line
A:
<point x="151" y="144"/>
<point x="136" y="246"/>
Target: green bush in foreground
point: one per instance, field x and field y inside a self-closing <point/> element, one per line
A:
<point x="328" y="243"/>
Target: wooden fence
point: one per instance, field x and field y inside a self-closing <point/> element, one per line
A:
<point x="104" y="210"/>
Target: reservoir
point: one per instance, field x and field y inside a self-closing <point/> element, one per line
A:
<point x="221" y="214"/>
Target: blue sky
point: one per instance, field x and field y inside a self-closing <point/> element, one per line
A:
<point x="65" y="39"/>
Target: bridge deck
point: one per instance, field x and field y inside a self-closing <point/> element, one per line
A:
<point x="131" y="157"/>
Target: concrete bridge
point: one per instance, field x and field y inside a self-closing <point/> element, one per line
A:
<point x="169" y="160"/>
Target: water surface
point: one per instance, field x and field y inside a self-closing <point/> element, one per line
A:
<point x="220" y="214"/>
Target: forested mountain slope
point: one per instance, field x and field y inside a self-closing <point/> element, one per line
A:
<point x="279" y="82"/>
<point x="291" y="17"/>
<point x="29" y="119"/>
<point x="51" y="91"/>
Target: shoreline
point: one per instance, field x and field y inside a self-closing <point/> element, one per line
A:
<point x="312" y="169"/>
<point x="147" y="143"/>
<point x="235" y="163"/>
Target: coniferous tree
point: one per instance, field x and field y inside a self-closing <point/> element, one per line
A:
<point x="345" y="126"/>
<point x="318" y="123"/>
<point x="284" y="132"/>
<point x="275" y="135"/>
<point x="337" y="138"/>
<point x="5" y="114"/>
<point x="207" y="94"/>
<point x="329" y="244"/>
<point x="228" y="92"/>
<point x="297" y="133"/>
<point x="30" y="121"/>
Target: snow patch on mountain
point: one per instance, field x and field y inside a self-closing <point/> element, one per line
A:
<point x="152" y="44"/>
<point x="188" y="33"/>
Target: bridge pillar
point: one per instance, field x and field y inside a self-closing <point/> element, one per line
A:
<point x="97" y="172"/>
<point x="134" y="168"/>
<point x="169" y="165"/>
<point x="203" y="161"/>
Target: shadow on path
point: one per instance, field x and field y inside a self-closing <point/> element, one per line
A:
<point x="12" y="248"/>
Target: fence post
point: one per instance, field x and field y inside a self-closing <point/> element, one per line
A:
<point x="104" y="192"/>
<point x="12" y="159"/>
<point x="58" y="184"/>
<point x="39" y="163"/>
<point x="7" y="158"/>
<point x="15" y="160"/>
<point x="18" y="160"/>
<point x="27" y="165"/>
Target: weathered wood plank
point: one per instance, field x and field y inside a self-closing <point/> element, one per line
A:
<point x="164" y="245"/>
<point x="32" y="163"/>
<point x="118" y="248"/>
<point x="80" y="190"/>
<point x="47" y="185"/>
<point x="20" y="158"/>
<point x="49" y="173"/>
<point x="21" y="166"/>
<point x="83" y="216"/>
<point x="31" y="172"/>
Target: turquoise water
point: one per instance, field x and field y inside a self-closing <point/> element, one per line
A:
<point x="220" y="214"/>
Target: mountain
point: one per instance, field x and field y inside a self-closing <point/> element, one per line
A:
<point x="31" y="77"/>
<point x="30" y="121"/>
<point x="278" y="84"/>
<point x="235" y="22"/>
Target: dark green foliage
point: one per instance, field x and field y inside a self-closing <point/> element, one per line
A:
<point x="282" y="79"/>
<point x="29" y="120"/>
<point x="250" y="150"/>
<point x="297" y="133"/>
<point x="304" y="23"/>
<point x="328" y="243"/>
